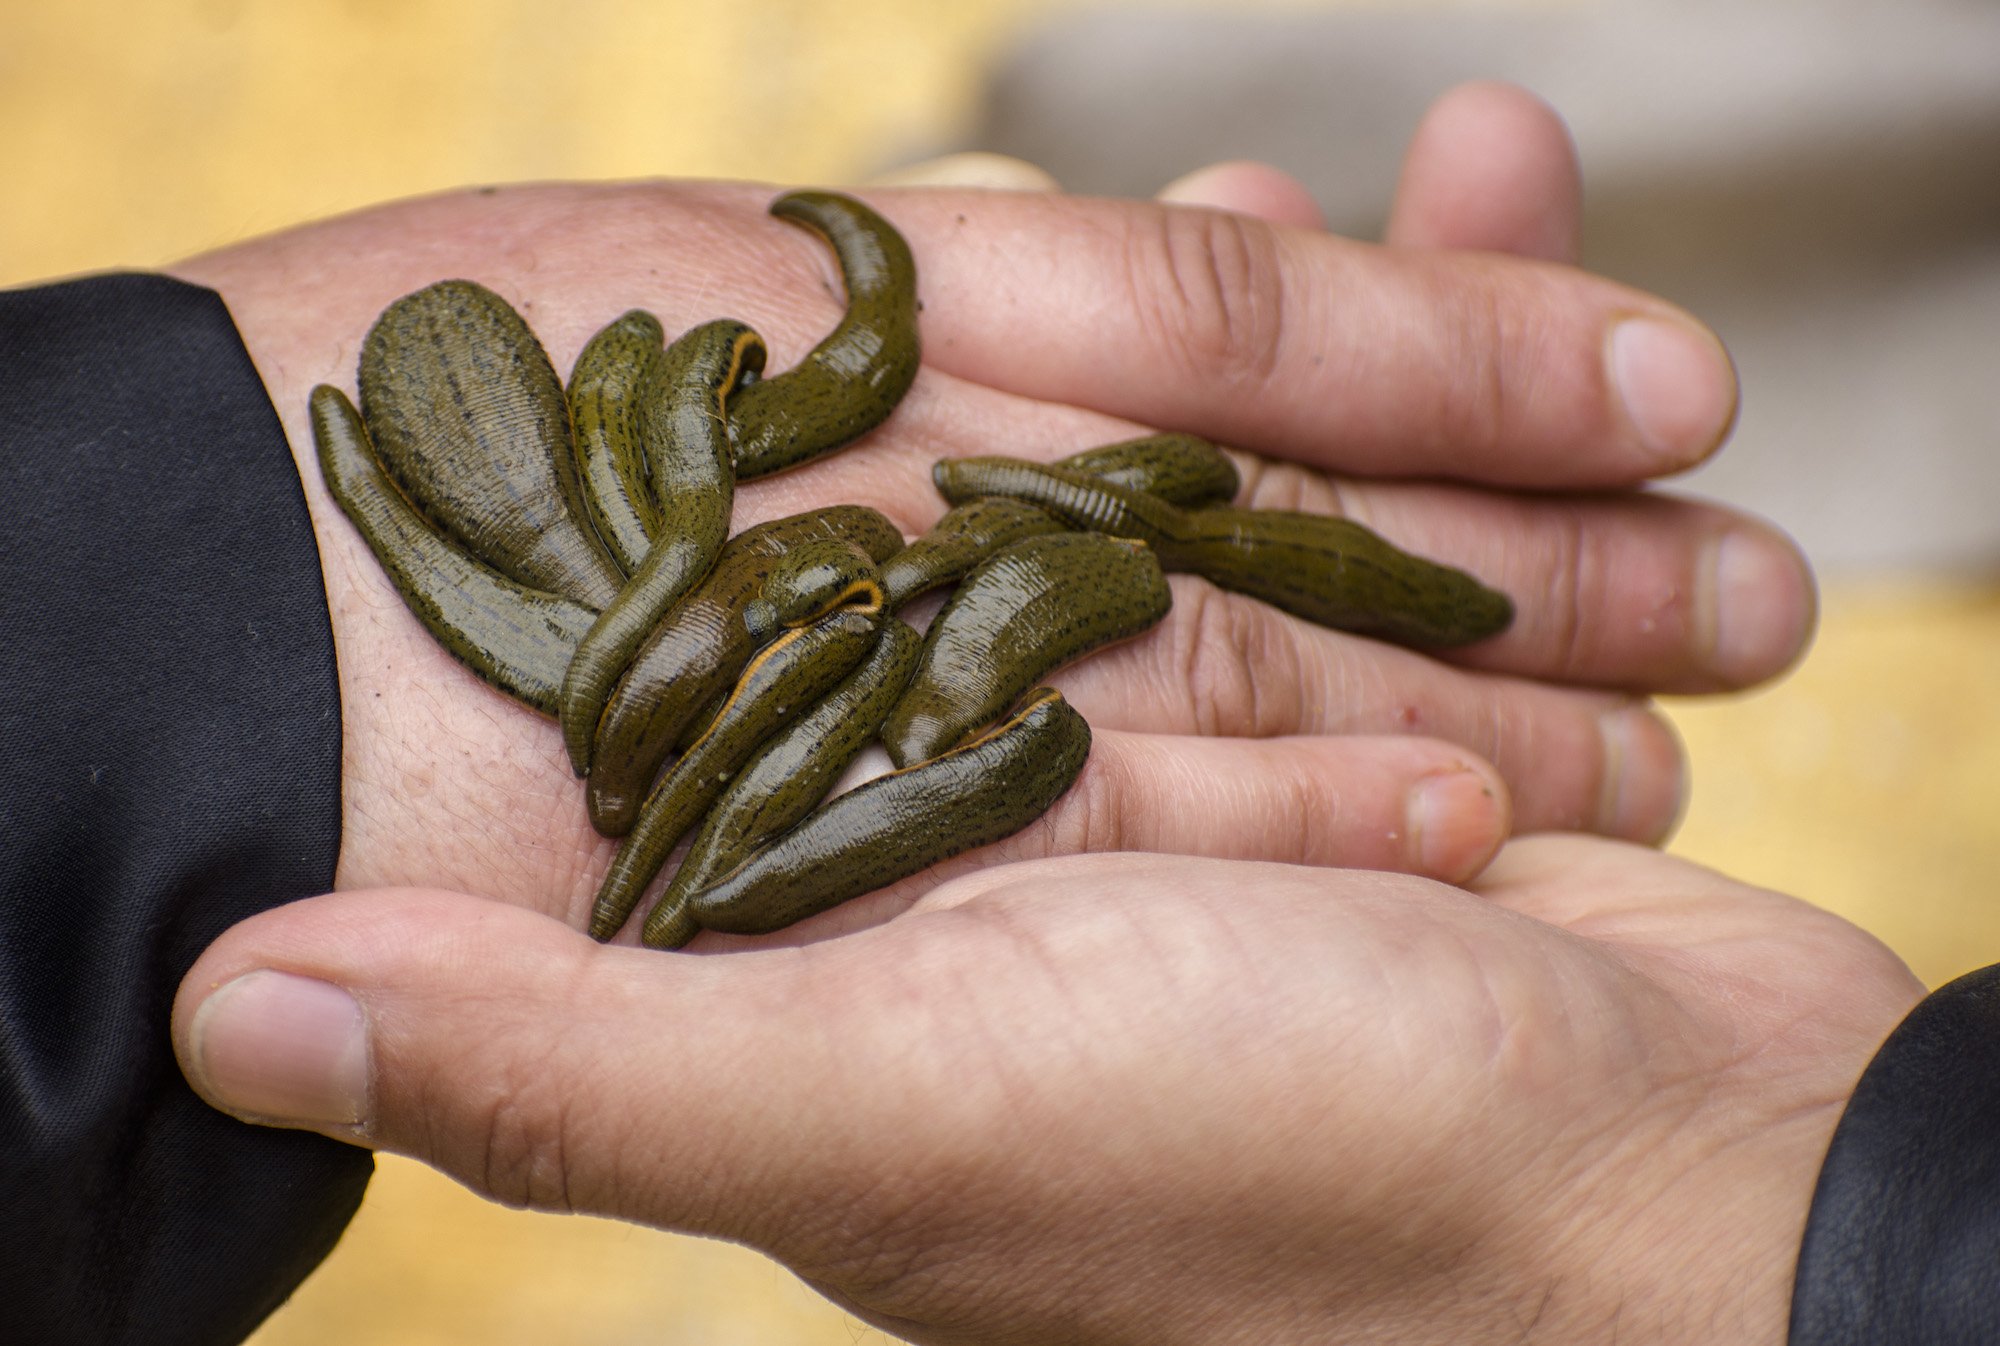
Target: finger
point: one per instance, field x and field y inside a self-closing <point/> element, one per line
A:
<point x="1491" y="168"/>
<point x="912" y="1110"/>
<point x="1225" y="665"/>
<point x="498" y="1044"/>
<point x="1341" y="355"/>
<point x="1644" y="590"/>
<point x="1398" y="804"/>
<point x="1300" y="345"/>
<point x="1690" y="927"/>
<point x="1411" y="805"/>
<point x="973" y="168"/>
<point x="1248" y="188"/>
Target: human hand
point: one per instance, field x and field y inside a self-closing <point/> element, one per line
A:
<point x="1047" y="319"/>
<point x="1127" y="1098"/>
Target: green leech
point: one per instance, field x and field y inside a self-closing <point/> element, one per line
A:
<point x="809" y="581"/>
<point x="468" y="416"/>
<point x="1327" y="570"/>
<point x="517" y="639"/>
<point x="688" y="443"/>
<point x="1184" y="470"/>
<point x="789" y="674"/>
<point x="693" y="657"/>
<point x="605" y="390"/>
<point x="789" y="775"/>
<point x="1023" y="612"/>
<point x="852" y="380"/>
<point x="959" y="541"/>
<point x="903" y="823"/>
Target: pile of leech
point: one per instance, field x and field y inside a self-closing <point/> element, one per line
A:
<point x="571" y="547"/>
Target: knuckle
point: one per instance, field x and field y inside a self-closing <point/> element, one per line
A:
<point x="1091" y="817"/>
<point x="523" y="1147"/>
<point x="1215" y="667"/>
<point x="1477" y="379"/>
<point x="1246" y="671"/>
<point x="1575" y="582"/>
<point x="1208" y="285"/>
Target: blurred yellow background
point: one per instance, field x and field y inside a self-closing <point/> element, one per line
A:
<point x="131" y="134"/>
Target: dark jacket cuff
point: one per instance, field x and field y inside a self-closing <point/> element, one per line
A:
<point x="169" y="765"/>
<point x="1903" y="1241"/>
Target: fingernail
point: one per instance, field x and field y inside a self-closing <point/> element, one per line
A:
<point x="1758" y="618"/>
<point x="1678" y="387"/>
<point x="1454" y="821"/>
<point x="271" y="1046"/>
<point x="1644" y="786"/>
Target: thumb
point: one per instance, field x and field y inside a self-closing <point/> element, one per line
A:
<point x="532" y="1064"/>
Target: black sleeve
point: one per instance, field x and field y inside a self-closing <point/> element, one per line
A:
<point x="169" y="765"/>
<point x="1902" y="1247"/>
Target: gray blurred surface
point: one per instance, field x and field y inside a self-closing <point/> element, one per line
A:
<point x="1818" y="179"/>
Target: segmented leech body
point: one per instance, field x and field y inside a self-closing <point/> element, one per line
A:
<point x="1330" y="571"/>
<point x="811" y="579"/>
<point x="788" y="777"/>
<point x="697" y="652"/>
<point x="1025" y="611"/>
<point x="787" y="675"/>
<point x="515" y="638"/>
<point x="854" y="378"/>
<point x="687" y="443"/>
<point x="468" y="416"/>
<point x="1183" y="470"/>
<point x="611" y="377"/>
<point x="963" y="538"/>
<point x="886" y="829"/>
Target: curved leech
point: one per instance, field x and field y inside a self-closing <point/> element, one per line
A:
<point x="804" y="584"/>
<point x="789" y="775"/>
<point x="605" y="393"/>
<point x="790" y="673"/>
<point x="468" y="417"/>
<point x="850" y="382"/>
<point x="693" y="657"/>
<point x="903" y="823"/>
<point x="516" y="639"/>
<point x="1022" y="613"/>
<point x="810" y="580"/>
<point x="1327" y="570"/>
<point x="688" y="446"/>
<point x="965" y="536"/>
<point x="1181" y="469"/>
